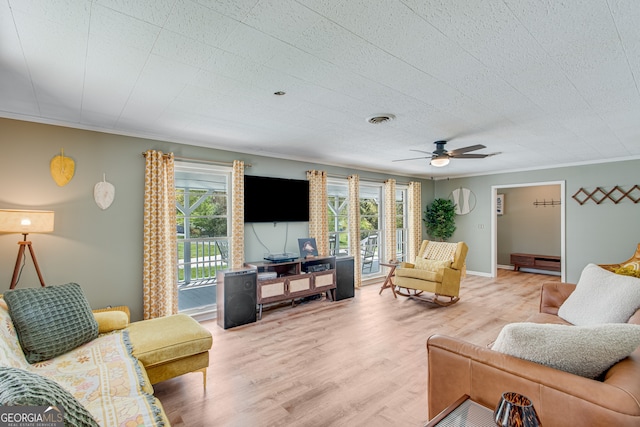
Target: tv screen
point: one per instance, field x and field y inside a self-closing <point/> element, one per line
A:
<point x="275" y="199"/>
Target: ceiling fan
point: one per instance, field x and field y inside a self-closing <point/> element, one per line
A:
<point x="440" y="157"/>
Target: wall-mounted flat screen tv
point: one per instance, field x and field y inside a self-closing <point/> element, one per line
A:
<point x="275" y="199"/>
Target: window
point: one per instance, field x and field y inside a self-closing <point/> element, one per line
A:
<point x="202" y="204"/>
<point x="370" y="232"/>
<point x="338" y="205"/>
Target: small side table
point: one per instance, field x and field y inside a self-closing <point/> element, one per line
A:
<point x="388" y="282"/>
<point x="464" y="412"/>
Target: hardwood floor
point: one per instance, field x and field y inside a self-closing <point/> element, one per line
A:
<point x="356" y="362"/>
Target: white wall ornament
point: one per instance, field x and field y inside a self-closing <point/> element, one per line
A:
<point x="464" y="200"/>
<point x="104" y="192"/>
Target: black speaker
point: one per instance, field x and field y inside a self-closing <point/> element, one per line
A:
<point x="344" y="278"/>
<point x="236" y="297"/>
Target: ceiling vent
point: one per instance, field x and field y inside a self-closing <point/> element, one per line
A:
<point x="382" y="118"/>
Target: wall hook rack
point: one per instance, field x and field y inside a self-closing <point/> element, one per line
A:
<point x="599" y="195"/>
<point x="546" y="203"/>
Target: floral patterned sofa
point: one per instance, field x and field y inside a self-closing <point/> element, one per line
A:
<point x="98" y="382"/>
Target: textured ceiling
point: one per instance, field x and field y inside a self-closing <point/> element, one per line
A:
<point x="543" y="82"/>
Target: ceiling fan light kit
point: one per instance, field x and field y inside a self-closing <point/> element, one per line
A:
<point x="440" y="161"/>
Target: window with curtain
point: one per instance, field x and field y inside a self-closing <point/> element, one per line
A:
<point x="202" y="215"/>
<point x="401" y="223"/>
<point x="371" y="224"/>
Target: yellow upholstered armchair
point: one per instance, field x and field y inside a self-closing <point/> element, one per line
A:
<point x="437" y="269"/>
<point x="630" y="267"/>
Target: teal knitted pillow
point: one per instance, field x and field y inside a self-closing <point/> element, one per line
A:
<point x="51" y="321"/>
<point x="23" y="388"/>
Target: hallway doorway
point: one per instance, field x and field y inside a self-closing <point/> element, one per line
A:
<point x="497" y="257"/>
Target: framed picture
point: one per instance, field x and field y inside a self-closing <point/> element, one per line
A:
<point x="500" y="204"/>
<point x="308" y="247"/>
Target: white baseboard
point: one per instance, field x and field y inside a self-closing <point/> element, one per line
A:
<point x="479" y="273"/>
<point x="510" y="267"/>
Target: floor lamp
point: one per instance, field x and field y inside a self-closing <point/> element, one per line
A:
<point x="25" y="222"/>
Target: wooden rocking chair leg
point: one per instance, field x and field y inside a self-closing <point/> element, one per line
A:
<point x="436" y="299"/>
<point x="452" y="300"/>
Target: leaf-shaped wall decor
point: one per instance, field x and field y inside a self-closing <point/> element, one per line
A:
<point x="104" y="193"/>
<point x="62" y="169"/>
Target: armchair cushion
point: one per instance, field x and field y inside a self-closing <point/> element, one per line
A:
<point x="601" y="296"/>
<point x="431" y="264"/>
<point x="582" y="350"/>
<point x="417" y="273"/>
<point x="52" y="320"/>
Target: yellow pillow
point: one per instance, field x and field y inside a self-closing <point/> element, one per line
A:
<point x="111" y="321"/>
<point x="431" y="264"/>
<point x="627" y="271"/>
<point x="635" y="265"/>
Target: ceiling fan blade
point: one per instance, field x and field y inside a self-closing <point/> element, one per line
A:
<point x="421" y="151"/>
<point x="413" y="158"/>
<point x="458" y="151"/>
<point x="470" y="156"/>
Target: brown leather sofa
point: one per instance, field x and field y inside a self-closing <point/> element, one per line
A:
<point x="456" y="368"/>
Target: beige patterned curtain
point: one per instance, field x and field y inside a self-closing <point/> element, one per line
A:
<point x="237" y="215"/>
<point x="354" y="228"/>
<point x="414" y="201"/>
<point x="159" y="281"/>
<point x="318" y="216"/>
<point x="390" y="220"/>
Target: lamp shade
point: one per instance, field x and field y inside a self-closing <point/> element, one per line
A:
<point x="25" y="221"/>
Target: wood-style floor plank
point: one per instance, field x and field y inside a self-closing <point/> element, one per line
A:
<point x="356" y="362"/>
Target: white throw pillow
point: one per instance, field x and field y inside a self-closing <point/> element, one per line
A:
<point x="601" y="297"/>
<point x="587" y="351"/>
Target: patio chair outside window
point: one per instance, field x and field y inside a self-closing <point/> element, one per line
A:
<point x="369" y="247"/>
<point x="223" y="250"/>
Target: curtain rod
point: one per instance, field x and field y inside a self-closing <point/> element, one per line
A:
<point x="211" y="162"/>
<point x="330" y="175"/>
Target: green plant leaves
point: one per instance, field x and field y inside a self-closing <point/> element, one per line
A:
<point x="440" y="218"/>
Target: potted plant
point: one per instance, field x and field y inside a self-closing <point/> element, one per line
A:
<point x="439" y="218"/>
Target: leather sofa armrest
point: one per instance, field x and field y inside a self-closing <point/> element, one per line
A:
<point x="553" y="295"/>
<point x="635" y="319"/>
<point x="456" y="368"/>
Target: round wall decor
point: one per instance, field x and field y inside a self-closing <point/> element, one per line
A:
<point x="464" y="199"/>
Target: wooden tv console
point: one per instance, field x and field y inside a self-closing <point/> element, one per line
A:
<point x="299" y="278"/>
<point x="540" y="262"/>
